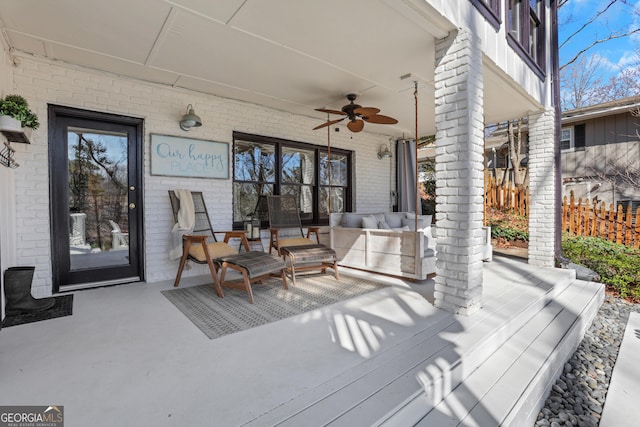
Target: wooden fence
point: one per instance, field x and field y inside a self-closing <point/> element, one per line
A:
<point x="506" y="197"/>
<point x="578" y="218"/>
<point x="614" y="224"/>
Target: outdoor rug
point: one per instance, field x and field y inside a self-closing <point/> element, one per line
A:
<point x="62" y="307"/>
<point x="233" y="313"/>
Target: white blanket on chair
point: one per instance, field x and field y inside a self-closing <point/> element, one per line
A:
<point x="185" y="224"/>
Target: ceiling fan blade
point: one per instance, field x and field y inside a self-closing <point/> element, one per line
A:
<point x="367" y="111"/>
<point x="329" y="123"/>
<point x="355" y="126"/>
<point x="380" y="119"/>
<point x="324" y="110"/>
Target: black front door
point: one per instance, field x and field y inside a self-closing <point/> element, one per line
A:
<point x="95" y="165"/>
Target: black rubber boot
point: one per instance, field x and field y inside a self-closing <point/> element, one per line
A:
<point x="17" y="290"/>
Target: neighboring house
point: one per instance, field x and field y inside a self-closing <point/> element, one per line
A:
<point x="599" y="149"/>
<point x="600" y="146"/>
<point x="118" y="75"/>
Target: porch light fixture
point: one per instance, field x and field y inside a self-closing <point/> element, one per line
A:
<point x="190" y="120"/>
<point x="384" y="152"/>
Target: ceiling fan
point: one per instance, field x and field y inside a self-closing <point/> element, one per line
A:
<point x="357" y="115"/>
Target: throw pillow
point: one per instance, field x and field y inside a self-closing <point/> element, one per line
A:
<point x="369" y="221"/>
<point x="394" y="219"/>
<point x="382" y="225"/>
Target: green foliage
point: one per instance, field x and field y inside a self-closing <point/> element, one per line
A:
<point x="17" y="107"/>
<point x="617" y="265"/>
<point x="507" y="225"/>
<point x="508" y="233"/>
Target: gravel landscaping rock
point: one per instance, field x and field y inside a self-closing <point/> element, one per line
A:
<point x="578" y="396"/>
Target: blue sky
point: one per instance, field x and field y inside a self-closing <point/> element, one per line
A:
<point x="616" y="54"/>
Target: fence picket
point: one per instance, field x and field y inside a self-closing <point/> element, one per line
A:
<point x="579" y="218"/>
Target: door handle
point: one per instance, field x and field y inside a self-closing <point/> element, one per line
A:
<point x="132" y="205"/>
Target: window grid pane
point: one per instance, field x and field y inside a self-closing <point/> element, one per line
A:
<point x="264" y="165"/>
<point x="565" y="139"/>
<point x="254" y="162"/>
<point x="298" y="166"/>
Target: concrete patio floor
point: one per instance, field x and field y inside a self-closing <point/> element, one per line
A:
<point x="128" y="357"/>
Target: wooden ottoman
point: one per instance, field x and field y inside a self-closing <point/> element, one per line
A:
<point x="309" y="257"/>
<point x="254" y="266"/>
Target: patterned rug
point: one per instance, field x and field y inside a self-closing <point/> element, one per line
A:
<point x="62" y="307"/>
<point x="233" y="313"/>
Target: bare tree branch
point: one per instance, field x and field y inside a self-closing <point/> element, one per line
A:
<point x="590" y="21"/>
<point x="582" y="83"/>
<point x="597" y="42"/>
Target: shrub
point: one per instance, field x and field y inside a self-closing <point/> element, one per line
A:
<point x="617" y="265"/>
<point x="507" y="225"/>
<point x="508" y="233"/>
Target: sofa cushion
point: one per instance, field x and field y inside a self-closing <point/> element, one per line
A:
<point x="394" y="219"/>
<point x="369" y="221"/>
<point x="411" y="223"/>
<point x="351" y="220"/>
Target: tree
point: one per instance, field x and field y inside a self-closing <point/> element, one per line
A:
<point x="516" y="148"/>
<point x="581" y="83"/>
<point x="619" y="30"/>
<point x="582" y="74"/>
<point x="623" y="85"/>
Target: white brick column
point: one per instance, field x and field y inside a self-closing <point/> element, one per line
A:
<point x="459" y="172"/>
<point x="542" y="232"/>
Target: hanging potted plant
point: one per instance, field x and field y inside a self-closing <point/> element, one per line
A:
<point x="16" y="119"/>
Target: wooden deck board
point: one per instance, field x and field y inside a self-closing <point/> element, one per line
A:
<point x="436" y="360"/>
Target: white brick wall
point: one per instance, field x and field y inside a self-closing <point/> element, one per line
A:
<point x="42" y="82"/>
<point x="7" y="193"/>
<point x="542" y="174"/>
<point x="459" y="173"/>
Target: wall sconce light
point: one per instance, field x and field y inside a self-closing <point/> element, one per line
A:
<point x="384" y="152"/>
<point x="190" y="119"/>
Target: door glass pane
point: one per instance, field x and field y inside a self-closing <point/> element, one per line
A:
<point x="98" y="198"/>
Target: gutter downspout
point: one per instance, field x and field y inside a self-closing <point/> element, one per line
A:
<point x="555" y="85"/>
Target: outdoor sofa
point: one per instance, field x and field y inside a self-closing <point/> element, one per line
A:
<point x="388" y="243"/>
<point x="385" y="242"/>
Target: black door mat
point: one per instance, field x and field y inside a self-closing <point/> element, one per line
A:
<point x="62" y="307"/>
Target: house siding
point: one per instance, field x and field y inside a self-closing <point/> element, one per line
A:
<point x="610" y="140"/>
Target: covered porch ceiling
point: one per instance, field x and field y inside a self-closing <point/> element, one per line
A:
<point x="291" y="55"/>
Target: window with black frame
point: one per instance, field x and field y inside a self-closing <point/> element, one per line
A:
<point x="526" y="31"/>
<point x="490" y="9"/>
<point x="265" y="165"/>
